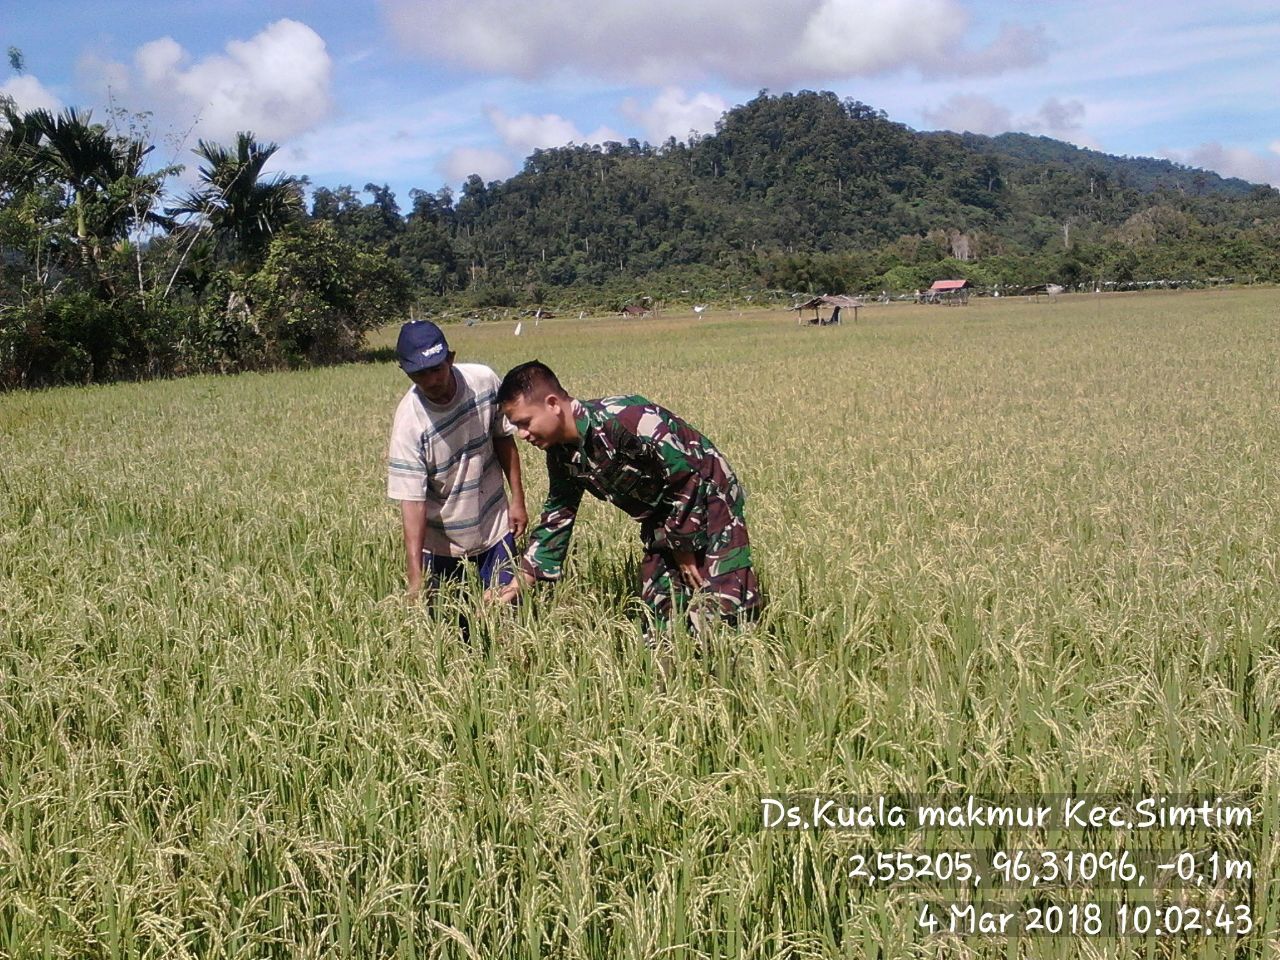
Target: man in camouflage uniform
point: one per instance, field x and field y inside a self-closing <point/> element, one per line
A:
<point x="654" y="467"/>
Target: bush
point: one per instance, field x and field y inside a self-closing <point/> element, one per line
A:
<point x="491" y="295"/>
<point x="316" y="297"/>
<point x="79" y="338"/>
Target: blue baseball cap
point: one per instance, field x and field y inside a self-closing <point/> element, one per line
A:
<point x="421" y="346"/>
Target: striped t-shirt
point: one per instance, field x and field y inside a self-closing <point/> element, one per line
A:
<point x="444" y="456"/>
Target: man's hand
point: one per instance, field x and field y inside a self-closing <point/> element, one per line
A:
<point x="511" y="591"/>
<point x="519" y="517"/>
<point x="688" y="566"/>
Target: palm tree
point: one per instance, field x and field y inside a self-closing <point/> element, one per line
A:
<point x="242" y="207"/>
<point x="109" y="195"/>
<point x="19" y="140"/>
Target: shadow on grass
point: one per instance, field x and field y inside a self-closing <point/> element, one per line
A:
<point x="376" y="355"/>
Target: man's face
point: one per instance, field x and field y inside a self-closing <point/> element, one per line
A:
<point x="436" y="383"/>
<point x="539" y="422"/>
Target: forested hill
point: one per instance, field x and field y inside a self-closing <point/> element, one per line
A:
<point x="1145" y="174"/>
<point x="797" y="193"/>
<point x="808" y="175"/>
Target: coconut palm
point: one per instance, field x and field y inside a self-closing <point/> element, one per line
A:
<point x="243" y="207"/>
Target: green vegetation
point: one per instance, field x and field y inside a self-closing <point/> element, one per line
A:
<point x="1015" y="548"/>
<point x="807" y="192"/>
<point x="96" y="283"/>
<point x="103" y="276"/>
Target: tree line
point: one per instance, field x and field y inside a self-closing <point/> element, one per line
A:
<point x="105" y="274"/>
<point x="806" y="192"/>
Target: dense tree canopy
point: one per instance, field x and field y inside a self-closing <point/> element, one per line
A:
<point x="807" y="191"/>
<point x="800" y="192"/>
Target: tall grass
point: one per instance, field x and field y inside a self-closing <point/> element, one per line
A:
<point x="1011" y="548"/>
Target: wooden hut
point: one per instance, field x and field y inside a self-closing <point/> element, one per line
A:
<point x="950" y="292"/>
<point x="838" y="304"/>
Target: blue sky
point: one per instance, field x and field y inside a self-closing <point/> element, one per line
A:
<point x="421" y="93"/>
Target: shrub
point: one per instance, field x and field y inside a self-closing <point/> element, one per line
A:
<point x="316" y="296"/>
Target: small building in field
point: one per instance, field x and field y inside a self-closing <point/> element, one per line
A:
<point x="837" y="303"/>
<point x="1037" y="290"/>
<point x="634" y="311"/>
<point x="950" y="292"/>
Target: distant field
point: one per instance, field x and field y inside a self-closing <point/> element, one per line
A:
<point x="1011" y="549"/>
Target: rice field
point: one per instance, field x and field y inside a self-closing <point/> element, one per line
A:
<point x="1014" y="549"/>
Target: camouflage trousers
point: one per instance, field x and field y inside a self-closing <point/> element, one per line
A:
<point x="732" y="590"/>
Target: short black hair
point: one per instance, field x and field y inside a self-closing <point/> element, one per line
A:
<point x="532" y="380"/>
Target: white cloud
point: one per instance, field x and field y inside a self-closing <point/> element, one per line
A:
<point x="28" y="93"/>
<point x="1060" y="119"/>
<point x="672" y="114"/>
<point x="969" y="113"/>
<point x="1164" y="43"/>
<point x="419" y="143"/>
<point x="746" y="42"/>
<point x="1014" y="47"/>
<point x="527" y="132"/>
<point x="102" y="76"/>
<point x="277" y="83"/>
<point x="158" y="60"/>
<point x="359" y="151"/>
<point x="856" y="36"/>
<point x="461" y="162"/>
<point x="1057" y="118"/>
<point x="1252" y="165"/>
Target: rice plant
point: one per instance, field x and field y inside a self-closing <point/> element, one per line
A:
<point x="1012" y="549"/>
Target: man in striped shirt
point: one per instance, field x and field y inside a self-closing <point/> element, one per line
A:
<point x="450" y="449"/>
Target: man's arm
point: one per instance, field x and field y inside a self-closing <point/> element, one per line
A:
<point x="407" y="484"/>
<point x="504" y="448"/>
<point x="413" y="518"/>
<point x="549" y="541"/>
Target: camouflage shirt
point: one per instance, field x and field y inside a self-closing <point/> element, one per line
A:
<point x="644" y="460"/>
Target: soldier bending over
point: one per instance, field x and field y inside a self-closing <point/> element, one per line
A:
<point x="655" y="468"/>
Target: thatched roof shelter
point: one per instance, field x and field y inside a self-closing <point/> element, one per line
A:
<point x="836" y="302"/>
